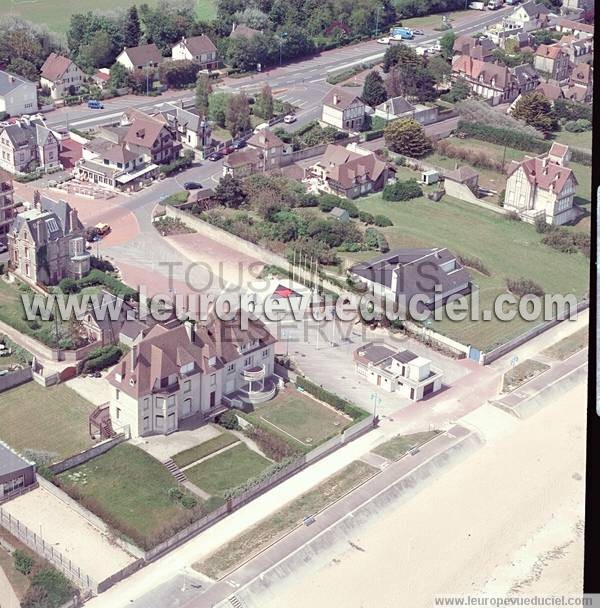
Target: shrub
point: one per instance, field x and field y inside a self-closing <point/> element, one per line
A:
<point x="23" y="562"/>
<point x="565" y="241"/>
<point x="513" y="216"/>
<point x="573" y="126"/>
<point x="338" y="403"/>
<point x="566" y="110"/>
<point x="327" y="202"/>
<point x="112" y="284"/>
<point x="101" y="264"/>
<point x="254" y="481"/>
<point x="273" y="446"/>
<point x="522" y="287"/>
<point x="475" y="263"/>
<point x="541" y="225"/>
<point x="366" y="217"/>
<point x="49" y="589"/>
<point x="68" y="286"/>
<point x="175" y="494"/>
<point x="229" y="420"/>
<point x="477" y="158"/>
<point x="189" y="502"/>
<point x="370" y="238"/>
<point x="402" y="191"/>
<point x="183" y="162"/>
<point x="102" y="357"/>
<point x="382" y="242"/>
<point x="502" y="136"/>
<point x="383" y="221"/>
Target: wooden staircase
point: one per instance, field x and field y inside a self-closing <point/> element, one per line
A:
<point x="175" y="470"/>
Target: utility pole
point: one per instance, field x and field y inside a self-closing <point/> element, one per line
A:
<point x="377" y="21"/>
<point x="376" y="399"/>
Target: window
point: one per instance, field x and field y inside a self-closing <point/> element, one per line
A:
<point x="265" y="353"/>
<point x="13" y="484"/>
<point x="146" y="403"/>
<point x="248" y="360"/>
<point x="117" y="393"/>
<point x="187" y="386"/>
<point x="230" y="368"/>
<point x="213" y="379"/>
<point x="118" y="413"/>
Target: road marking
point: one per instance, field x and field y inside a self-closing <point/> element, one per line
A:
<point x="317" y="80"/>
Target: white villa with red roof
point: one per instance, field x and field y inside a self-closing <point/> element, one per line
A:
<point x="198" y="48"/>
<point x="542" y="187"/>
<point x="62" y="76"/>
<point x="193" y="371"/>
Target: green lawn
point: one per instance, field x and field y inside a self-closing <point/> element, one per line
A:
<point x="204" y="449"/>
<point x="54" y="419"/>
<point x="227" y="470"/>
<point x="283" y="521"/>
<point x="433" y="20"/>
<point x="129" y="490"/>
<point x="396" y="447"/>
<point x="508" y="249"/>
<point x="578" y="140"/>
<point x="56" y="14"/>
<point x="297" y="414"/>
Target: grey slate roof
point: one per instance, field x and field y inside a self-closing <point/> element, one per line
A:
<point x="10" y="461"/>
<point x="9" y="82"/>
<point x="396" y="106"/>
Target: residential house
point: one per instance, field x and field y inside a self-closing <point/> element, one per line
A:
<point x="432" y="275"/>
<point x="581" y="84"/>
<point x="343" y="109"/>
<point x="7" y="203"/>
<point x="191" y="129"/>
<point x="243" y="31"/>
<point x="528" y="17"/>
<point x="400" y="371"/>
<point x="580" y="49"/>
<point x="399" y="107"/>
<point x="552" y="61"/>
<point x="17" y="475"/>
<point x="127" y="157"/>
<point x="577" y="5"/>
<point x="62" y="76"/>
<point x="568" y="26"/>
<point x="46" y="243"/>
<point x="264" y="152"/>
<point x="542" y="187"/>
<point x="464" y="175"/>
<point x="491" y="81"/>
<point x="348" y="173"/>
<point x="550" y="90"/>
<point x="193" y="370"/>
<point x="198" y="48"/>
<point x="17" y="95"/>
<point x="511" y="39"/>
<point x="476" y="48"/>
<point x="101" y="77"/>
<point x="27" y="145"/>
<point x="139" y="57"/>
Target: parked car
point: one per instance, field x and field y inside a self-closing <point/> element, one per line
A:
<point x="3" y="247"/>
<point x="216" y="156"/>
<point x="238" y="144"/>
<point x="103" y="229"/>
<point x="261" y="126"/>
<point x="95" y="104"/>
<point x="384" y="40"/>
<point x="289" y="118"/>
<point x="192" y="185"/>
<point x="227" y="150"/>
<point x="418" y="32"/>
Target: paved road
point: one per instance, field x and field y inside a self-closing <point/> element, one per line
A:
<point x="302" y="83"/>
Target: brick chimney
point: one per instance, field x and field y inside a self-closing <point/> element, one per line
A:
<point x="134" y="356"/>
<point x="219" y="336"/>
<point x="190" y="330"/>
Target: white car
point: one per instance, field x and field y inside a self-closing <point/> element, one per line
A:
<point x="384" y="40"/>
<point x="289" y="118"/>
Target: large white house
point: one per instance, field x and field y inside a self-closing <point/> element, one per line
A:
<point x="198" y="48"/>
<point x="542" y="187"/>
<point x="17" y="95"/>
<point x="192" y="370"/>
<point x="343" y="109"/>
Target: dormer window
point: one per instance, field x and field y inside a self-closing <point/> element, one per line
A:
<point x="212" y="361"/>
<point x="119" y="377"/>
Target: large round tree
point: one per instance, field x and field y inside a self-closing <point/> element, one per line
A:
<point x="535" y="110"/>
<point x="374" y="91"/>
<point x="406" y="136"/>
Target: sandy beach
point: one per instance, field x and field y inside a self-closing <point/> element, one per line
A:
<point x="509" y="519"/>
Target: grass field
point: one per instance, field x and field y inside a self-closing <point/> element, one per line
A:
<point x="568" y="346"/>
<point x="227" y="470"/>
<point x="54" y="419"/>
<point x="398" y="446"/>
<point x="56" y="14"/>
<point x="300" y="416"/>
<point x="128" y="489"/>
<point x="508" y="250"/>
<point x="433" y="20"/>
<point x="262" y="534"/>
<point x="204" y="449"/>
<point x="579" y="140"/>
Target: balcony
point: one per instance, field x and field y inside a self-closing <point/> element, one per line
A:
<point x="255" y="373"/>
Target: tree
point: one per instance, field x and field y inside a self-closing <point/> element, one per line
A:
<point x="264" y="103"/>
<point x="447" y="43"/>
<point x="374" y="91"/>
<point x="439" y="69"/>
<point x="133" y="30"/>
<point x="178" y="72"/>
<point x="410" y="81"/>
<point x="119" y="76"/>
<point x="237" y="119"/>
<point x="98" y="52"/>
<point x="23" y="67"/>
<point x="535" y="110"/>
<point x="217" y="107"/>
<point x="203" y="91"/>
<point x="460" y="90"/>
<point x="400" y="55"/>
<point x="406" y="136"/>
<point x="230" y="192"/>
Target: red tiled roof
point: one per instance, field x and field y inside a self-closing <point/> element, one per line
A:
<point x="144" y="54"/>
<point x="144" y="131"/>
<point x="576" y="25"/>
<point x="340" y="98"/>
<point x="544" y="173"/>
<point x="551" y="51"/>
<point x="474" y="69"/>
<point x="199" y="44"/>
<point x="55" y="66"/>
